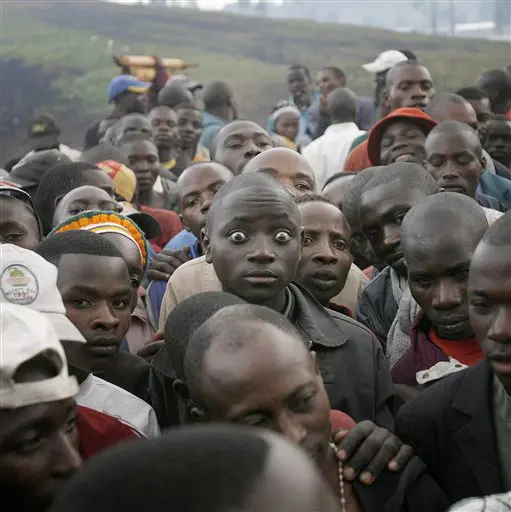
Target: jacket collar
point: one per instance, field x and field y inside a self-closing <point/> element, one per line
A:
<point x="314" y="320"/>
<point x="476" y="437"/>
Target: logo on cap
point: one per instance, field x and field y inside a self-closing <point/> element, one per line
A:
<point x="19" y="285"/>
<point x="39" y="128"/>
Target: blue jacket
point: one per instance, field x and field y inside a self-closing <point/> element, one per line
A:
<point x="184" y="239"/>
<point x="212" y="125"/>
<point x="497" y="187"/>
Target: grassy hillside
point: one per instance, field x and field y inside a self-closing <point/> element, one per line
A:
<point x="66" y="43"/>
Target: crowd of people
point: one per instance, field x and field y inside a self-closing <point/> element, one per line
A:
<point x="202" y="314"/>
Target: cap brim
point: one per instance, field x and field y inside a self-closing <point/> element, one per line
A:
<point x="149" y="225"/>
<point x="65" y="329"/>
<point x="374" y="67"/>
<point x="140" y="88"/>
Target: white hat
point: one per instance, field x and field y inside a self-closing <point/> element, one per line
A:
<point x="27" y="279"/>
<point x="385" y="61"/>
<point x="25" y="334"/>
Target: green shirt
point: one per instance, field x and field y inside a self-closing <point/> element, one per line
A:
<point x="502" y="418"/>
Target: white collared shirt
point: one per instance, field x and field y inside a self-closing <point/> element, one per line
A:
<point x="327" y="154"/>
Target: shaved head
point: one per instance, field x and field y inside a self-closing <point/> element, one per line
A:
<point x="450" y="128"/>
<point x="341" y="104"/>
<point x="452" y="107"/>
<point x="395" y="71"/>
<point x="447" y="211"/>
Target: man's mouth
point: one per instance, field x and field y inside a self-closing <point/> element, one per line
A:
<point x="105" y="347"/>
<point x="452" y="188"/>
<point x="324" y="279"/>
<point x="421" y="104"/>
<point x="261" y="277"/>
<point x="501" y="362"/>
<point x="394" y="258"/>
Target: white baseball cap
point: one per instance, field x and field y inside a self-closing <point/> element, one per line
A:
<point x="385" y="61"/>
<point x="25" y="334"/>
<point x="27" y="279"/>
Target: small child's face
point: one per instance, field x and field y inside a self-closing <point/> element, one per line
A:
<point x="287" y="125"/>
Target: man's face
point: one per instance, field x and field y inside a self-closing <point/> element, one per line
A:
<point x="82" y="199"/>
<point x="144" y="161"/>
<point x="402" y="141"/>
<point x="196" y="190"/>
<point x="454" y="162"/>
<point x="254" y="243"/>
<point x="97" y="294"/>
<point x="134" y="103"/>
<point x="484" y="116"/>
<point x="38" y="453"/>
<point x="270" y="383"/>
<point x="327" y="82"/>
<point x="164" y="127"/>
<point x="438" y="265"/>
<point x="412" y="86"/>
<point x="498" y="142"/>
<point x="190" y="124"/>
<point x="289" y="168"/>
<point x="489" y="291"/>
<point x="238" y="143"/>
<point x="382" y="211"/>
<point x="133" y="125"/>
<point x="299" y="87"/>
<point x="18" y="225"/>
<point x="326" y="257"/>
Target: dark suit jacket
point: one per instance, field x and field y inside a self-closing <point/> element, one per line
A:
<point x="450" y="427"/>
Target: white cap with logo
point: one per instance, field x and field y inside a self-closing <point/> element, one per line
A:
<point x="27" y="279"/>
<point x="24" y="335"/>
<point x="385" y="61"/>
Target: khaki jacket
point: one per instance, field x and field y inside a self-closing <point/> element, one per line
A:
<point x="197" y="276"/>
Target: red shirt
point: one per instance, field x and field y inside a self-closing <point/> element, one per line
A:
<point x="170" y="225"/>
<point x="98" y="431"/>
<point x="465" y="351"/>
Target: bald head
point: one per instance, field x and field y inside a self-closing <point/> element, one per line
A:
<point x="173" y="95"/>
<point x="230" y="332"/>
<point x="217" y="94"/>
<point x="452" y="107"/>
<point x="453" y="129"/>
<point x="288" y="167"/>
<point x="248" y="183"/>
<point x="450" y="212"/>
<point x="342" y="105"/>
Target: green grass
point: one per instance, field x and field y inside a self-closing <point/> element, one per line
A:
<point x="251" y="53"/>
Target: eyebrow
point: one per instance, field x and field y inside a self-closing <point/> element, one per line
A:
<point x="316" y="231"/>
<point x="197" y="192"/>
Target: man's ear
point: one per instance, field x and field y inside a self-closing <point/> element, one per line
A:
<point x="206" y="244"/>
<point x="484" y="163"/>
<point x="181" y="390"/>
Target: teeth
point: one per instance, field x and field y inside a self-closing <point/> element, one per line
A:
<point x="403" y="157"/>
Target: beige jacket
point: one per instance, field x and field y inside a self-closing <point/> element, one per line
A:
<point x="197" y="276"/>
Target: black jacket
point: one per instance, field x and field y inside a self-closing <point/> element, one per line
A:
<point x="377" y="307"/>
<point x="450" y="427"/>
<point x="409" y="490"/>
<point x="350" y="359"/>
